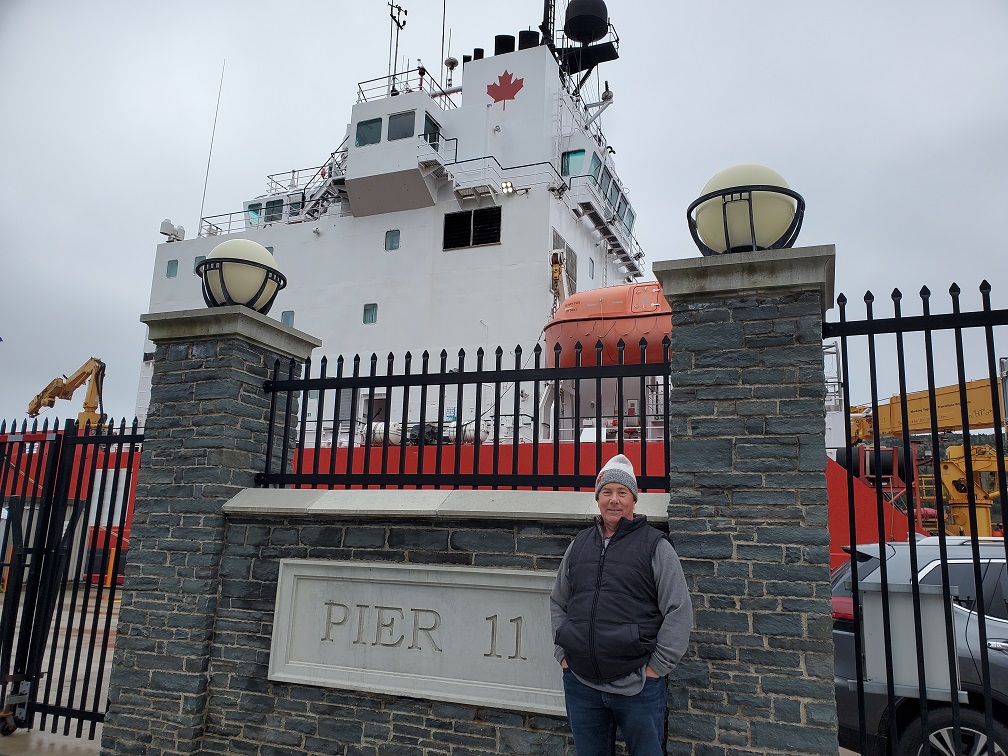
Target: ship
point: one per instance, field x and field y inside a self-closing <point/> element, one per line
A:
<point x="459" y="210"/>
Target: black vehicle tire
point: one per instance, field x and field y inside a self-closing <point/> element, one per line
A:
<point x="942" y="738"/>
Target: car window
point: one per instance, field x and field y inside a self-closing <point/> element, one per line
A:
<point x="994" y="597"/>
<point x="841" y="576"/>
<point x="960" y="579"/>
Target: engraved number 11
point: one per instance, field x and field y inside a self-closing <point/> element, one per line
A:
<point x="518" y="622"/>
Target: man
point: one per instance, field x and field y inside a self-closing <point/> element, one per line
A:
<point x="621" y="616"/>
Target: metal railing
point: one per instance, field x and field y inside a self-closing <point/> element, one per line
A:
<point x="892" y="682"/>
<point x="456" y="427"/>
<point x="412" y="80"/>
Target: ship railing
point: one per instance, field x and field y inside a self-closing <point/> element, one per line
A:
<point x="454" y="425"/>
<point x="238" y="221"/>
<point x="305" y="178"/>
<point x="488" y="171"/>
<point x="412" y="80"/>
<point x="434" y="145"/>
<point x="585" y="188"/>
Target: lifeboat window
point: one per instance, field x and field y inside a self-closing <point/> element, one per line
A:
<point x="287" y="317"/>
<point x="196" y="262"/>
<point x="368" y="132"/>
<point x="605" y="182"/>
<point x="596" y="166"/>
<point x="571" y="162"/>
<point x="172" y="270"/>
<point x="370" y="313"/>
<point x="392" y="239"/>
<point x="254" y="211"/>
<point x="472" y="228"/>
<point x="401" y="125"/>
<point x="274" y="211"/>
<point x="432" y="132"/>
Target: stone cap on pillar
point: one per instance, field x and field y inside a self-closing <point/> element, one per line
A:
<point x="233" y="321"/>
<point x="745" y="274"/>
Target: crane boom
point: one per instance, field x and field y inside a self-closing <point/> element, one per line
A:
<point x="949" y="415"/>
<point x="91" y="372"/>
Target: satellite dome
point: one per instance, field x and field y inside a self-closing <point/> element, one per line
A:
<point x="586" y="20"/>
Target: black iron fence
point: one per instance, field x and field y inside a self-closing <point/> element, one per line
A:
<point x="67" y="502"/>
<point x="530" y="426"/>
<point x="920" y="618"/>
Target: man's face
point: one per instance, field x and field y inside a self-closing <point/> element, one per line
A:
<point x="615" y="501"/>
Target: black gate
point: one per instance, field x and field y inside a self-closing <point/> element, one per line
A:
<point x="920" y="619"/>
<point x="67" y="501"/>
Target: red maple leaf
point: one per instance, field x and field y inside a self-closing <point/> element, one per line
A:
<point x="506" y="88"/>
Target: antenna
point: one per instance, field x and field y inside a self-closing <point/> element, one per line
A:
<point x="398" y="15"/>
<point x="212" y="133"/>
<point x="444" y="13"/>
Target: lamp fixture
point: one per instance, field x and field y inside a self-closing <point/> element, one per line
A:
<point x="243" y="272"/>
<point x="744" y="208"/>
<point x="507" y="187"/>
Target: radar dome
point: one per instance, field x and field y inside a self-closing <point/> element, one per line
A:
<point x="586" y="20"/>
<point x="773" y="213"/>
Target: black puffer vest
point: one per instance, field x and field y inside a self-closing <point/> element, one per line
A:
<point x="612" y="615"/>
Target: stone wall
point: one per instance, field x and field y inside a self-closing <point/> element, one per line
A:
<point x="250" y="714"/>
<point x="749" y="497"/>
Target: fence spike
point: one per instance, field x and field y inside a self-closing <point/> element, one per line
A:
<point x="925" y="292"/>
<point x="869" y="297"/>
<point x="842" y="299"/>
<point x="985" y="287"/>
<point x="897" y="295"/>
<point x="954" y="289"/>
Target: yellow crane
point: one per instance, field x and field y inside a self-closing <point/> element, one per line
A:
<point x="952" y="470"/>
<point x="91" y="372"/>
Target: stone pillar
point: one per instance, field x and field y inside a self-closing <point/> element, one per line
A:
<point x="748" y="509"/>
<point x="205" y="439"/>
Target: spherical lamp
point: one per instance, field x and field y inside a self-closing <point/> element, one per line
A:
<point x="746" y="207"/>
<point x="242" y="272"/>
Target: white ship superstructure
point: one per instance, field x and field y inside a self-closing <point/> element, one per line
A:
<point x="447" y="218"/>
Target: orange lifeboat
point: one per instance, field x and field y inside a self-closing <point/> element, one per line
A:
<point x="629" y="312"/>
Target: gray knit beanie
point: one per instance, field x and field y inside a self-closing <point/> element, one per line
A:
<point x="619" y="469"/>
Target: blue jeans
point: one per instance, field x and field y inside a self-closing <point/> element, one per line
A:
<point x="594" y="717"/>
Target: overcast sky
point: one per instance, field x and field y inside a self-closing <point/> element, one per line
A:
<point x="890" y="118"/>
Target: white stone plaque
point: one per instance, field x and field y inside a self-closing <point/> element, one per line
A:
<point x="468" y="635"/>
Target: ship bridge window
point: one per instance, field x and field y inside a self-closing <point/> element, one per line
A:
<point x="571" y="162"/>
<point x="172" y="270"/>
<point x="392" y="239"/>
<point x="401" y="125"/>
<point x="196" y="262"/>
<point x="621" y="208"/>
<point x="274" y="211"/>
<point x="628" y="219"/>
<point x="614" y="194"/>
<point x="370" y="313"/>
<point x="254" y="211"/>
<point x="432" y="131"/>
<point x="596" y="166"/>
<point x="472" y="228"/>
<point x="605" y="182"/>
<point x="368" y="132"/>
<point x="287" y="318"/>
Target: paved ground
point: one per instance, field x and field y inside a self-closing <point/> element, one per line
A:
<point x="34" y="742"/>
